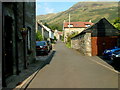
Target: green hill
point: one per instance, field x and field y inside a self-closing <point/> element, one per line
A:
<point x="82" y="11"/>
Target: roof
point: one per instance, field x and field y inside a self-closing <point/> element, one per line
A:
<point x="102" y="28"/>
<point x="45" y="27"/>
<point x="78" y="24"/>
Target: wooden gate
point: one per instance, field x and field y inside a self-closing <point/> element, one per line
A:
<point x="99" y="44"/>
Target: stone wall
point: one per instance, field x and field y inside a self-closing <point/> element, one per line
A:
<point x="20" y="44"/>
<point x="75" y="43"/>
<point x="68" y="31"/>
<point x="82" y="43"/>
<point x="30" y="20"/>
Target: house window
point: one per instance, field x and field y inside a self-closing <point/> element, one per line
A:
<point x="87" y="25"/>
<point x="71" y="25"/>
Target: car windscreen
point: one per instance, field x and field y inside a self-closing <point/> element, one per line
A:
<point x="40" y="43"/>
<point x="117" y="51"/>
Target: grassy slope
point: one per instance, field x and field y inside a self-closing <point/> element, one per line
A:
<point x="83" y="11"/>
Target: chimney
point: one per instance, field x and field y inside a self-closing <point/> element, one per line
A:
<point x="90" y="21"/>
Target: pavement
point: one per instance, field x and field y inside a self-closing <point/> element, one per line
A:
<point x="25" y="77"/>
<point x="17" y="81"/>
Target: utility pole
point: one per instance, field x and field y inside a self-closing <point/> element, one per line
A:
<point x="69" y="23"/>
<point x="64" y="30"/>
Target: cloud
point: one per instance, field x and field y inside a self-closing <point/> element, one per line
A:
<point x="49" y="10"/>
<point x="44" y="8"/>
<point x="38" y="7"/>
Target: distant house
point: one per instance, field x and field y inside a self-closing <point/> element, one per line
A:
<point x="51" y="34"/>
<point x="46" y="32"/>
<point x="71" y="27"/>
<point x="96" y="38"/>
<point x="58" y="34"/>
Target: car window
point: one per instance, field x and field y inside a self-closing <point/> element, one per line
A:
<point x="49" y="42"/>
<point x="117" y="51"/>
<point x="40" y="43"/>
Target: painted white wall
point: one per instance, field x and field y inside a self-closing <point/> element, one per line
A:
<point x="46" y="32"/>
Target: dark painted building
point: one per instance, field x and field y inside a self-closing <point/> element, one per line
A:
<point x="96" y="38"/>
<point x="18" y="37"/>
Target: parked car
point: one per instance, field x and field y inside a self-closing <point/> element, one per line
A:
<point x="115" y="55"/>
<point x="42" y="47"/>
<point x="49" y="45"/>
<point x="108" y="52"/>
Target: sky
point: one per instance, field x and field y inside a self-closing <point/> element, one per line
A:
<point x="54" y="6"/>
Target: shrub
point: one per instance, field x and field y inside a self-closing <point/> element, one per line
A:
<point x="39" y="36"/>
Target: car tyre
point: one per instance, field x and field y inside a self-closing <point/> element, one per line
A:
<point x="112" y="58"/>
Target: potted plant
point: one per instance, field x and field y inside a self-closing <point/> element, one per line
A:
<point x="24" y="32"/>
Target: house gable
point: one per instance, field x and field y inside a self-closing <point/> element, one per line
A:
<point x="103" y="28"/>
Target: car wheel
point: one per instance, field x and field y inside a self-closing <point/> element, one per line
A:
<point x="111" y="58"/>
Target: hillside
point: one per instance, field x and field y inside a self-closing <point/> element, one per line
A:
<point x="82" y="11"/>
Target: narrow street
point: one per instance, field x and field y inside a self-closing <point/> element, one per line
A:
<point x="70" y="69"/>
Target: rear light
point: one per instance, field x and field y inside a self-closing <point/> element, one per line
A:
<point x="45" y="47"/>
<point x="37" y="47"/>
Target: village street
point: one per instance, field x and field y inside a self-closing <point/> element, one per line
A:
<point x="70" y="69"/>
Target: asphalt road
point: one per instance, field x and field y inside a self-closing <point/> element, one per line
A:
<point x="70" y="69"/>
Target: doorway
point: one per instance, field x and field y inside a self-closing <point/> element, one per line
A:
<point x="7" y="46"/>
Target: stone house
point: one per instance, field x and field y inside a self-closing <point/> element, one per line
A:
<point x="69" y="28"/>
<point x="18" y="38"/>
<point x="96" y="38"/>
<point x="46" y="32"/>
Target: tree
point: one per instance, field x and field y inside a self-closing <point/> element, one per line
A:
<point x="68" y="43"/>
<point x="47" y="25"/>
<point x="39" y="36"/>
<point x="116" y="23"/>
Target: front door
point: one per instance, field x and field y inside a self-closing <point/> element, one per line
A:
<point x="7" y="46"/>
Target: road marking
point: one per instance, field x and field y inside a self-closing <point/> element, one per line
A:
<point x="105" y="66"/>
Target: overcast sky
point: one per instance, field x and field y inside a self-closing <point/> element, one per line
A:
<point x="55" y="6"/>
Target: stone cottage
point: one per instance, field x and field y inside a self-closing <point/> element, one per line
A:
<point x="96" y="38"/>
<point x="71" y="27"/>
<point x="18" y="38"/>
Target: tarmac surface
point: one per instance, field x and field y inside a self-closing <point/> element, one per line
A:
<point x="68" y="68"/>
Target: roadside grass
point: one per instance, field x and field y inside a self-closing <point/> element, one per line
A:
<point x="68" y="45"/>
